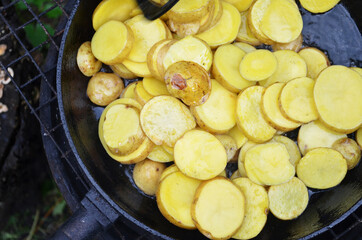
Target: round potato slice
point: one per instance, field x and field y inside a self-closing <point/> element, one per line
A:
<point x="268" y="164"/>
<point x="322" y="168"/>
<point x="296" y="100"/>
<point x="316" y="61"/>
<point x="248" y="145"/>
<point x="292" y="149"/>
<point x="359" y="137"/>
<point x="187" y="11"/>
<point x="86" y="61"/>
<point x="121" y="70"/>
<point x="249" y="117"/>
<point x="164" y="119"/>
<point x="238" y="136"/>
<point x="293" y="45"/>
<point x="245" y="35"/>
<point x="146" y="175"/>
<point x="350" y="151"/>
<point x="171" y="169"/>
<point x="128" y="92"/>
<point x="318" y="6"/>
<point x="204" y="157"/>
<point x="335" y="105"/>
<point x="152" y="58"/>
<point x="230" y="146"/>
<point x="218" y="208"/>
<point x="241" y="5"/>
<point x="159" y="154"/>
<point x="175" y="196"/>
<point x="247" y="48"/>
<point x="139" y="69"/>
<point x="258" y="65"/>
<point x="256" y="208"/>
<point x="140" y="94"/>
<point x="255" y="15"/>
<point x="155" y="87"/>
<point x="288" y="200"/>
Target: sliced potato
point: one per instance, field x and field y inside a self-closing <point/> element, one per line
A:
<point x="171" y="169"/>
<point x="288" y="200"/>
<point x="255" y="15"/>
<point x="152" y="58"/>
<point x="86" y="61"/>
<point x="271" y="109"/>
<point x="183" y="29"/>
<point x="241" y="5"/>
<point x="293" y="45"/>
<point x="248" y="145"/>
<point x="349" y="150"/>
<point x="187" y="11"/>
<point x="140" y="94"/>
<point x="139" y="69"/>
<point x="230" y="146"/>
<point x="154" y="87"/>
<point x="245" y="35"/>
<point x="339" y="109"/>
<point x="121" y="70"/>
<point x="175" y="196"/>
<point x="247" y="48"/>
<point x="359" y="137"/>
<point x="249" y="117"/>
<point x="322" y="168"/>
<point x="112" y="42"/>
<point x="357" y="69"/>
<point x="159" y="154"/>
<point x="146" y="175"/>
<point x="225" y="30"/>
<point x="292" y="149"/>
<point x="218" y="10"/>
<point x="316" y="61"/>
<point x="316" y="135"/>
<point x="168" y="149"/>
<point x="165" y="119"/>
<point x="206" y="20"/>
<point x="256" y="208"/>
<point x="296" y="100"/>
<point x="218" y="208"/>
<point x="128" y="92"/>
<point x="318" y="6"/>
<point x="199" y="154"/>
<point x="268" y="164"/>
<point x="217" y="114"/>
<point x="238" y="136"/>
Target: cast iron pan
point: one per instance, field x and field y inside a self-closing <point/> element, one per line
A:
<point x="336" y="32"/>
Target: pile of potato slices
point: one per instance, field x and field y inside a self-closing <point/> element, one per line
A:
<point x="204" y="96"/>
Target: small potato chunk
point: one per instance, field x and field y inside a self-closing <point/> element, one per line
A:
<point x="349" y="150"/>
<point x="340" y="110"/>
<point x="316" y="135"/>
<point x="293" y="45"/>
<point x="187" y="11"/>
<point x="318" y="6"/>
<point x="155" y="87"/>
<point x="165" y="119"/>
<point x="292" y="149"/>
<point x="199" y="154"/>
<point x="247" y="48"/>
<point x="140" y="94"/>
<point x="171" y="169"/>
<point x="258" y="65"/>
<point x="146" y="175"/>
<point x="218" y="208"/>
<point x="316" y="61"/>
<point x="121" y="70"/>
<point x="103" y="88"/>
<point x="86" y="61"/>
<point x="268" y="164"/>
<point x="296" y="100"/>
<point x="229" y="145"/>
<point x="139" y="69"/>
<point x="241" y="5"/>
<point x="288" y="200"/>
<point x="249" y="117"/>
<point x="159" y="154"/>
<point x="112" y="42"/>
<point x="359" y="136"/>
<point x="245" y="35"/>
<point x="189" y="82"/>
<point x="175" y="197"/>
<point x="256" y="208"/>
<point x="238" y="136"/>
<point x="322" y="168"/>
<point x="128" y="92"/>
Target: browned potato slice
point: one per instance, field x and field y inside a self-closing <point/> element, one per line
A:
<point x="249" y="117"/>
<point x="225" y="30"/>
<point x="128" y="92"/>
<point x="159" y="154"/>
<point x="103" y="88"/>
<point x="217" y="114"/>
<point x="189" y="82"/>
<point x="340" y="110"/>
<point x="175" y="197"/>
<point x="349" y="150"/>
<point x="238" y="136"/>
<point x="316" y="135"/>
<point x="245" y="35"/>
<point x="152" y="58"/>
<point x="121" y="70"/>
<point x="268" y="164"/>
<point x="322" y="168"/>
<point x="247" y="48"/>
<point x="187" y="11"/>
<point x="318" y="6"/>
<point x="139" y="69"/>
<point x="112" y="10"/>
<point x="165" y="119"/>
<point x="86" y="61"/>
<point x="146" y="175"/>
<point x="256" y="208"/>
<point x="140" y="94"/>
<point x="293" y="45"/>
<point x="359" y="137"/>
<point x="155" y="87"/>
<point x="241" y="5"/>
<point x="292" y="149"/>
<point x="183" y="29"/>
<point x="112" y="42"/>
<point x="288" y="200"/>
<point x="226" y="68"/>
<point x="230" y="146"/>
<point x="171" y="169"/>
<point x="357" y="69"/>
<point x="271" y="109"/>
<point x="316" y="61"/>
<point x="296" y="100"/>
<point x="218" y="208"/>
<point x="200" y="160"/>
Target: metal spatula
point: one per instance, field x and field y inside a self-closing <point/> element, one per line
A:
<point x="152" y="11"/>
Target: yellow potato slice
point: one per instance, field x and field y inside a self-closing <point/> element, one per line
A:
<point x="155" y="87"/>
<point x="217" y="114"/>
<point x="255" y="15"/>
<point x="128" y="92"/>
<point x="249" y="117"/>
<point x="337" y="95"/>
<point x="206" y="20"/>
<point x="225" y="30"/>
<point x="230" y="146"/>
<point x="248" y="145"/>
<point x="316" y="61"/>
<point x="187" y="11"/>
<point x="175" y="196"/>
<point x="200" y="155"/>
<point x="247" y="48"/>
<point x="316" y="135"/>
<point x="258" y="65"/>
<point x="218" y="208"/>
<point x="256" y="208"/>
<point x="357" y="69"/>
<point x="271" y="109"/>
<point x="245" y="35"/>
<point x="152" y="58"/>
<point x="241" y="5"/>
<point x="139" y="69"/>
<point x="171" y="169"/>
<point x="140" y="94"/>
<point x="159" y="154"/>
<point x="218" y="10"/>
<point x="168" y="149"/>
<point x="146" y="176"/>
<point x="296" y="100"/>
<point x="165" y="119"/>
<point x="288" y="200"/>
<point x="292" y="149"/>
<point x="322" y="168"/>
<point x="290" y="65"/>
<point x="279" y="26"/>
<point x="183" y="29"/>
<point x="112" y="42"/>
<point x="319" y="6"/>
<point x="295" y="45"/>
<point x="238" y="136"/>
<point x="121" y="70"/>
<point x="268" y="164"/>
<point x="112" y="10"/>
<point x="359" y="137"/>
<point x="226" y="68"/>
<point x="349" y="150"/>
